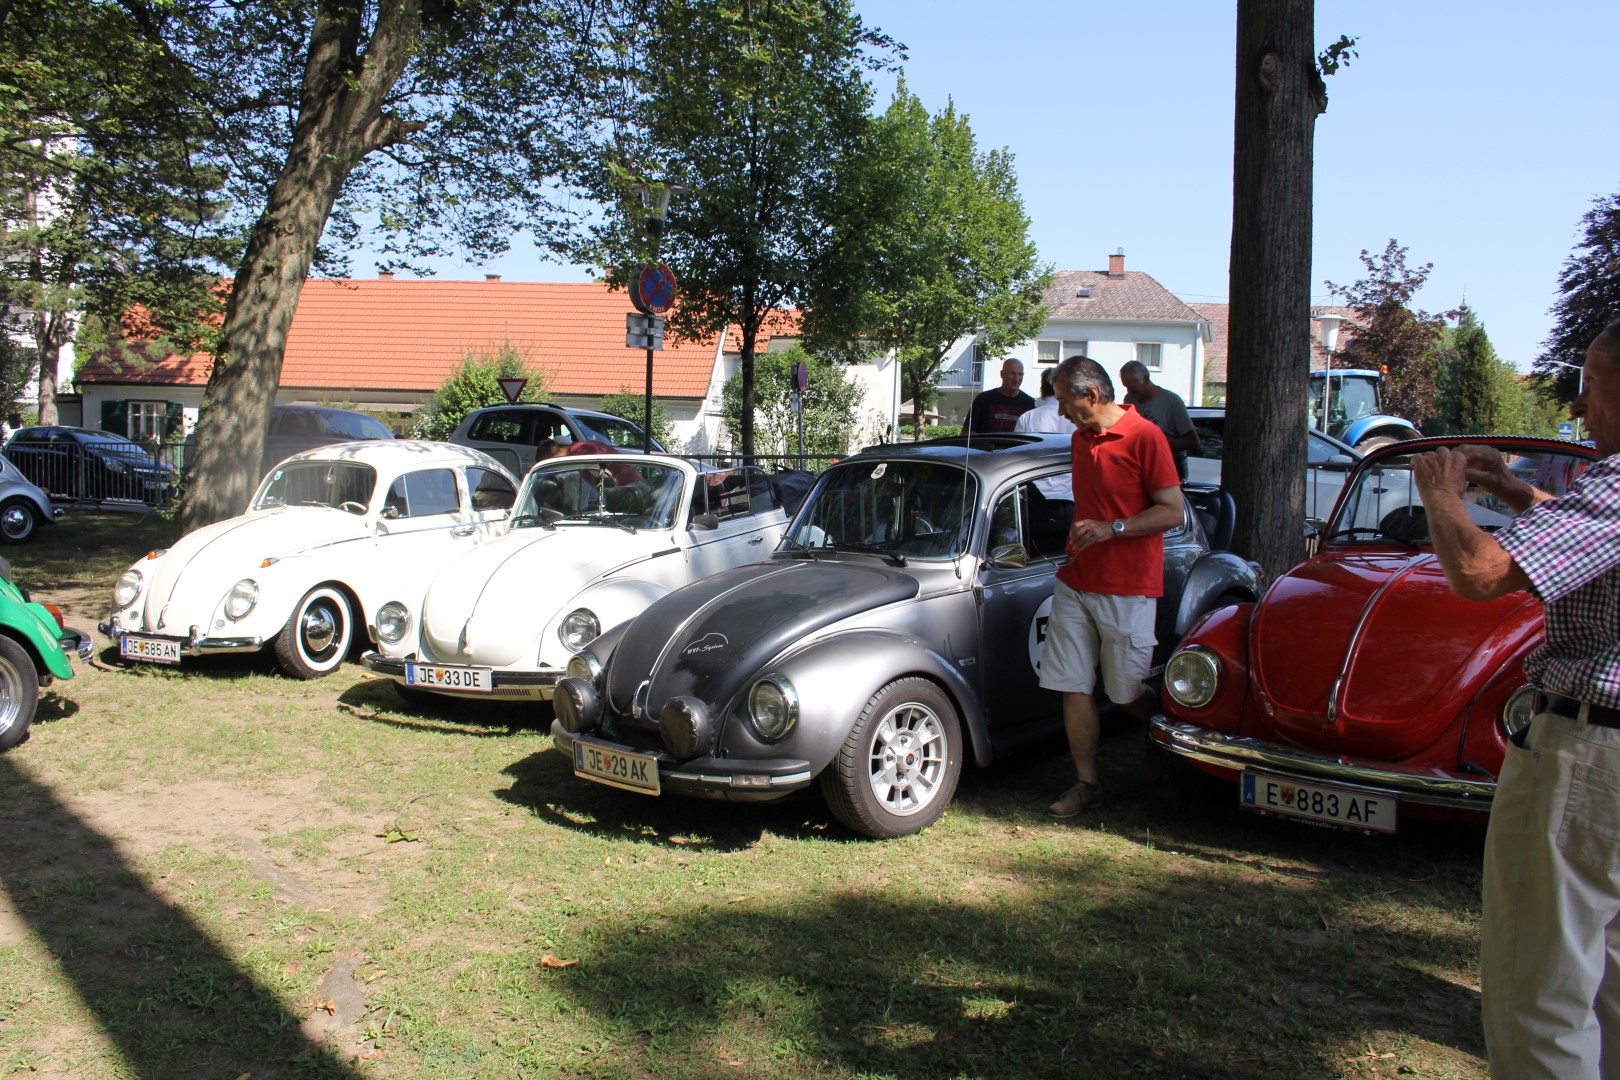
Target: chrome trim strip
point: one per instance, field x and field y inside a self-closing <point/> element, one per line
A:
<point x="1242" y="754"/>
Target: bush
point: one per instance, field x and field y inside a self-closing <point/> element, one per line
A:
<point x="631" y="405"/>
<point x="475" y="384"/>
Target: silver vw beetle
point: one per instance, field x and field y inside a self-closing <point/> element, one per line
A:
<point x="897" y="628"/>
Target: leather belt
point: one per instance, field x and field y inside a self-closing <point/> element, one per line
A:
<point x="1559" y="705"/>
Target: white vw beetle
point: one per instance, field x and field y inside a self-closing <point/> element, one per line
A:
<point x="592" y="541"/>
<point x="326" y="539"/>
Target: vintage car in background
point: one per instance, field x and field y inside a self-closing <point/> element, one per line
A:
<point x="592" y="541"/>
<point x="896" y="630"/>
<point x="24" y="506"/>
<point x="511" y="433"/>
<point x="326" y="539"/>
<point x="1327" y="460"/>
<point x="1360" y="690"/>
<point x="35" y="648"/>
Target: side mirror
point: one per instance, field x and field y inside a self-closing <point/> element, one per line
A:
<point x="1009" y="557"/>
<point x="705" y="521"/>
<point x="390" y="513"/>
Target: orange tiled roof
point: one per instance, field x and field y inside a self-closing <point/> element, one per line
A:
<point x="410" y="334"/>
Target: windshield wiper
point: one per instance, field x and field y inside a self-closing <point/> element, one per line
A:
<point x="1365" y="530"/>
<point x="523" y="521"/>
<point x="869" y="549"/>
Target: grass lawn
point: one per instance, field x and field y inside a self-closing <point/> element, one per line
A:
<point x="217" y="871"/>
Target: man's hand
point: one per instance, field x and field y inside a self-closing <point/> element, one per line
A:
<point x="1082" y="534"/>
<point x="1440" y="473"/>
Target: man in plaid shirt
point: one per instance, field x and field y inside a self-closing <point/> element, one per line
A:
<point x="1551" y="914"/>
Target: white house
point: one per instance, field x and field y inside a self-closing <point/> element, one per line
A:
<point x="1113" y="316"/>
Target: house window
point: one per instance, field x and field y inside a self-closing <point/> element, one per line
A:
<point x="976" y="357"/>
<point x="146" y="420"/>
<point x="1149" y="353"/>
<point x="1051" y="351"/>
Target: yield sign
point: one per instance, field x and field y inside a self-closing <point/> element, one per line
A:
<point x="512" y="388"/>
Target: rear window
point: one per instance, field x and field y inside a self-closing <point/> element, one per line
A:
<point x="615" y="432"/>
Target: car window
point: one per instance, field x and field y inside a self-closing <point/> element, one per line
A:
<point x="642" y="496"/>
<point x="342" y="425"/>
<point x="490" y="490"/>
<point x="614" y="432"/>
<point x="297" y="423"/>
<point x="732" y="493"/>
<point x="372" y="428"/>
<point x="1211" y="435"/>
<point x="921" y="509"/>
<point x="504" y="426"/>
<point x="424" y="493"/>
<point x="318" y="483"/>
<point x="1319" y="451"/>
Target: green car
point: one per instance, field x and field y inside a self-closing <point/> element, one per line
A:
<point x="34" y="649"/>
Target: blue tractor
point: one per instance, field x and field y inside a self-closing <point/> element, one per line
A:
<point x="1347" y="404"/>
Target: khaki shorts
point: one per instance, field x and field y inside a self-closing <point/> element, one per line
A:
<point x="1087" y="629"/>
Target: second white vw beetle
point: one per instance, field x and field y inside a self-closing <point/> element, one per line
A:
<point x="593" y="540"/>
<point x="326" y="539"/>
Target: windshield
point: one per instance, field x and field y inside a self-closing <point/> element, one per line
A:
<point x="342" y="485"/>
<point x="1384" y="504"/>
<point x="594" y="491"/>
<point x="914" y="508"/>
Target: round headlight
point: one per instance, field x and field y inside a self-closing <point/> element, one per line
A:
<point x="240" y="600"/>
<point x="127" y="589"/>
<point x="1192" y="676"/>
<point x="579" y="628"/>
<point x="1519" y="710"/>
<point x="584" y="666"/>
<point x="773" y="706"/>
<point x="393" y="623"/>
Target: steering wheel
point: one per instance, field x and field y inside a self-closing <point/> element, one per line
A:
<point x="352" y="507"/>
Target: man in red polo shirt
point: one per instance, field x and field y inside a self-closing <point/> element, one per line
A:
<point x="1126" y="495"/>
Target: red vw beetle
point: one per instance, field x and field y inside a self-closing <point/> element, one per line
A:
<point x="1359" y="690"/>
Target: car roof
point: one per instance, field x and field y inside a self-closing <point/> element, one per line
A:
<point x="397" y="454"/>
<point x="994" y="457"/>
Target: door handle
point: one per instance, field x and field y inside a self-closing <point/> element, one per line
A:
<point x="757" y="540"/>
<point x="463" y="530"/>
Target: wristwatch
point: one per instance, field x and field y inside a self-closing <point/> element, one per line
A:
<point x="1119" y="529"/>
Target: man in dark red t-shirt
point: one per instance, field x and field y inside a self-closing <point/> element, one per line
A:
<point x="1126" y="495"/>
<point x="998" y="408"/>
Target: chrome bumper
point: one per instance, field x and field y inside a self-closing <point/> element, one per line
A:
<point x="500" y="678"/>
<point x="736" y="779"/>
<point x="192" y="645"/>
<point x="1242" y="754"/>
<point x="76" y="643"/>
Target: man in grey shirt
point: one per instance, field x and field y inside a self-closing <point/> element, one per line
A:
<point x="1165" y="408"/>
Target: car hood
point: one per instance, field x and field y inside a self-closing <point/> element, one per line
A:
<point x="711" y="638"/>
<point x="486" y="606"/>
<point x="1373" y="655"/>
<point x="193" y="576"/>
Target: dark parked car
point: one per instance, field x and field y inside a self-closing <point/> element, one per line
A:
<point x="82" y="463"/>
<point x="1361" y="691"/>
<point x="896" y="629"/>
<point x="296" y="428"/>
<point x="510" y="433"/>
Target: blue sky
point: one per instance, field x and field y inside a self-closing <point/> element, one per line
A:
<point x="1476" y="135"/>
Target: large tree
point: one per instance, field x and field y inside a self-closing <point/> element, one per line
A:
<point x="1476" y="392"/>
<point x="1280" y="92"/>
<point x="829" y="404"/>
<point x="1393" y="334"/>
<point x="952" y="256"/>
<point x="1588" y="300"/>
<point x="759" y="109"/>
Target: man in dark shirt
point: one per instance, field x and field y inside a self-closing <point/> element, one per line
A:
<point x="998" y="409"/>
<point x="1164" y="407"/>
<point x="1550" y="920"/>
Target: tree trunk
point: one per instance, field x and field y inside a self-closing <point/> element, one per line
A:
<point x="1279" y="95"/>
<point x="49" y="334"/>
<point x="750" y="334"/>
<point x="340" y="121"/>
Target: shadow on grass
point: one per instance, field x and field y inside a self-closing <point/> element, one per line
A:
<point x="544" y="784"/>
<point x="380" y="702"/>
<point x="1070" y="976"/>
<point x="53" y="707"/>
<point x="172" y="1001"/>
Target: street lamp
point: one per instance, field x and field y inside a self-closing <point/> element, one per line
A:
<point x="1328" y="333"/>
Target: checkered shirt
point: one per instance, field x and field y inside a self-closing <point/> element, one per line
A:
<point x="1569" y="548"/>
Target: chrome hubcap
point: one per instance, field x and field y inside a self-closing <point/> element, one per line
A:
<point x="319" y="629"/>
<point x="15" y="521"/>
<point x="907" y="763"/>
<point x="10" y="702"/>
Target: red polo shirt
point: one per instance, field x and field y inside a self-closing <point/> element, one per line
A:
<point x="1115" y="476"/>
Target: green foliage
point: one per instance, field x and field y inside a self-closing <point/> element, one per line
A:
<point x="952" y="256"/>
<point x="830" y="405"/>
<point x="761" y="112"/>
<point x="1588" y="300"/>
<point x="631" y="405"/>
<point x="1390" y="332"/>
<point x="475" y="384"/>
